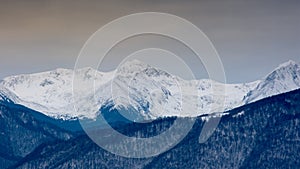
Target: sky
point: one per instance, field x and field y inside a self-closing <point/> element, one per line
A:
<point x="251" y="37"/>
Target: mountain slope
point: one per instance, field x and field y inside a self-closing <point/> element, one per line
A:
<point x="284" y="78"/>
<point x="49" y="92"/>
<point x="22" y="130"/>
<point x="264" y="134"/>
<point x="155" y="93"/>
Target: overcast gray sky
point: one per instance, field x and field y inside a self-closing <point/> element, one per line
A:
<point x="252" y="37"/>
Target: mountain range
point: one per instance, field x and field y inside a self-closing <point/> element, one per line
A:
<point x="135" y="85"/>
<point x="39" y="126"/>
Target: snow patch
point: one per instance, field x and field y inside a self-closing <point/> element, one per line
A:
<point x="239" y="114"/>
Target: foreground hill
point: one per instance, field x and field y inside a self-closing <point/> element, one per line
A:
<point x="22" y="130"/>
<point x="264" y="134"/>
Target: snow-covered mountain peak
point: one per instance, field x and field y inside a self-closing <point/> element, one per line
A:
<point x="134" y="62"/>
<point x="49" y="92"/>
<point x="284" y="78"/>
<point x="131" y="66"/>
<point x="289" y="63"/>
<point x="288" y="71"/>
<point x="58" y="78"/>
<point x="285" y="69"/>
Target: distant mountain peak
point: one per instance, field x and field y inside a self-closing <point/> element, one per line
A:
<point x="289" y="66"/>
<point x="132" y="66"/>
<point x="284" y="70"/>
<point x="135" y="62"/>
<point x="284" y="78"/>
<point x="289" y="63"/>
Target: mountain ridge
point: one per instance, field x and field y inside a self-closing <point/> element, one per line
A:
<point x="51" y="92"/>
